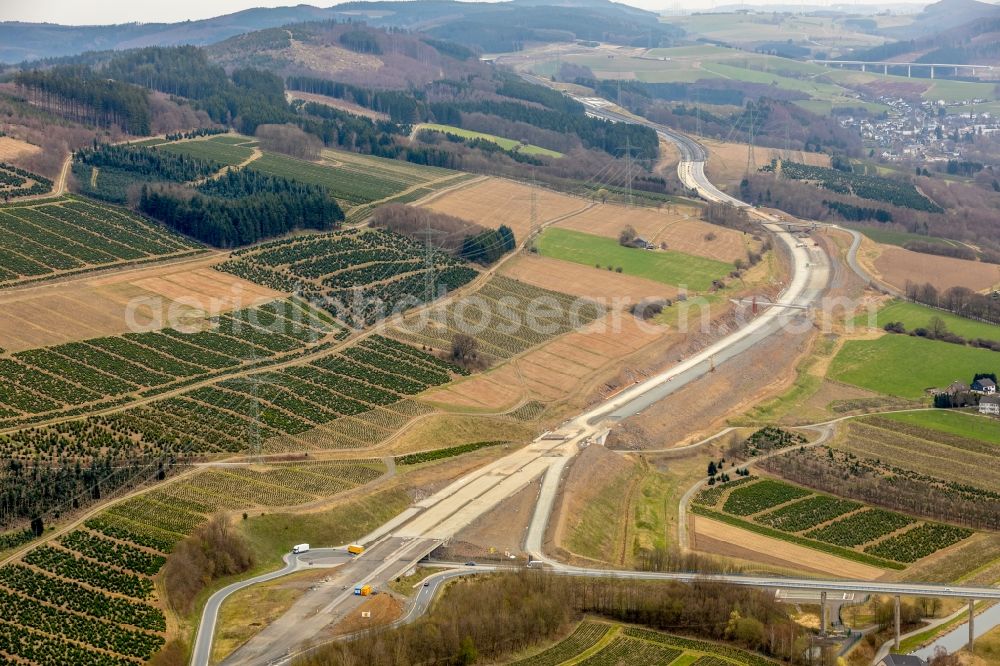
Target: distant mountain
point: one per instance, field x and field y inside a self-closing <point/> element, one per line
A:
<point x="350" y="53"/>
<point x="489" y="26"/>
<point x="976" y="41"/>
<point x="32" y="41"/>
<point x="941" y="16"/>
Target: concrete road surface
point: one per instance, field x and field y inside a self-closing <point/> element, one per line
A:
<point x="332" y="601"/>
<point x="320" y="557"/>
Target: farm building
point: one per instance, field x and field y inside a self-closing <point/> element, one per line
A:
<point x="984" y="385"/>
<point x="990" y="405"/>
<point x="641" y="243"/>
<point x="956" y="387"/>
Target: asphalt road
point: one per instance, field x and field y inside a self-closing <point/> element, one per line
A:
<point x="330" y="602"/>
<point x="320" y="557"/>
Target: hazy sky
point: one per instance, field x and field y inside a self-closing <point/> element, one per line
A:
<point x="91" y="12"/>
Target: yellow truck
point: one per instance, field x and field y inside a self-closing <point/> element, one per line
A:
<point x="363" y="590"/>
<point x="355" y="549"/>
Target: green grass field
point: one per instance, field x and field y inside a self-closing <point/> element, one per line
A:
<point x="900" y="238"/>
<point x="666" y="266"/>
<point x="505" y="143"/>
<point x="219" y="151"/>
<point x="906" y="366"/>
<point x="354" y="179"/>
<point x="954" y="423"/>
<point x="914" y="315"/>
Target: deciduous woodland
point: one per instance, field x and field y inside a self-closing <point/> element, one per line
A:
<point x="501" y="615"/>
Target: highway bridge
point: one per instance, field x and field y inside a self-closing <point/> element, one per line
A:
<point x="884" y="65"/>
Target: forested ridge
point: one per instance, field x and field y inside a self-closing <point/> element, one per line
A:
<point x="82" y="95"/>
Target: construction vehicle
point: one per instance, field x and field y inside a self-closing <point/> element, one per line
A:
<point x="363" y="590"/>
<point x="355" y="549"/>
<point x="301" y="548"/>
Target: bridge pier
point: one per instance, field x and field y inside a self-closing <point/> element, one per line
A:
<point x="885" y="70"/>
<point x="909" y="71"/>
<point x="864" y="67"/>
<point x="972" y="626"/>
<point x="932" y="71"/>
<point x="824" y="619"/>
<point x="895" y="643"/>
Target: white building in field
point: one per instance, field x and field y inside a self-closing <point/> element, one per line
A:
<point x="990" y="404"/>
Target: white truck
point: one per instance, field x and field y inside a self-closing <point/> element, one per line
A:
<point x="301" y="548"/>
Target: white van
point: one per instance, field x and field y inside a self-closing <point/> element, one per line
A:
<point x="301" y="548"/>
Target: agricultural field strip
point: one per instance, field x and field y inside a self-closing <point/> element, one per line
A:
<point x="336" y="268"/>
<point x="227" y="154"/>
<point x="360" y="381"/>
<point x="97" y="367"/>
<point x="842" y="523"/>
<point x="729" y="654"/>
<point x="505" y="298"/>
<point x="623" y="649"/>
<point x="924" y="455"/>
<point x="584" y="637"/>
<point x="77" y="603"/>
<point x="69" y="235"/>
<point x="351" y="181"/>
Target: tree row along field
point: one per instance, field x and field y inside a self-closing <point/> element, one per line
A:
<point x="503" y="317"/>
<point x="357" y="275"/>
<point x="906" y="466"/>
<point x="89" y="598"/>
<point x="605" y="644"/>
<point x="841" y="527"/>
<point x="40" y="382"/>
<point x="70" y="235"/>
<point x="350" y="399"/>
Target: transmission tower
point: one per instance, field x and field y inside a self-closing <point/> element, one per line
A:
<point x="428" y="235"/>
<point x="697" y="112"/>
<point x="534" y="213"/>
<point x="788" y="143"/>
<point x="255" y="427"/>
<point x="751" y="158"/>
<point x="628" y="172"/>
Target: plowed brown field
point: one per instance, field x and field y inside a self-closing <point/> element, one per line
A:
<point x="554" y="370"/>
<point x="722" y="539"/>
<point x="11" y="148"/>
<point x="86" y="308"/>
<point x="896" y="266"/>
<point x="493" y="202"/>
<point x="584" y="281"/>
<point x="728" y="161"/>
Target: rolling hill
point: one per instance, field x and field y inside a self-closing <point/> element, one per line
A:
<point x="501" y="26"/>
